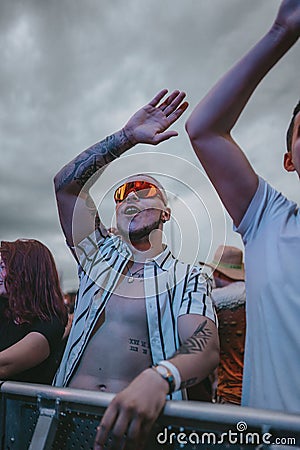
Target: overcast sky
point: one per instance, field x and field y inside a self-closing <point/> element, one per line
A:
<point x="72" y="72"/>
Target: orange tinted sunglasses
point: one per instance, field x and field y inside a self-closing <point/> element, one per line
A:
<point x="143" y="189"/>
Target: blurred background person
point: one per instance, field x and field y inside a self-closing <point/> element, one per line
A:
<point x="33" y="315"/>
<point x="229" y="298"/>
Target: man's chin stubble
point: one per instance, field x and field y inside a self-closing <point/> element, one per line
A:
<point x="140" y="234"/>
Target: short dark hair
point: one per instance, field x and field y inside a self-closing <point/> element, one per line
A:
<point x="289" y="133"/>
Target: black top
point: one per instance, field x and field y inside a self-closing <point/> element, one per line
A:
<point x="11" y="333"/>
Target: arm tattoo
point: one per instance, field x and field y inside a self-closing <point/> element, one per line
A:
<point x="197" y="342"/>
<point x="91" y="160"/>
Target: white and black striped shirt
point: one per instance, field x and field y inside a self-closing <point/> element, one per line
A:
<point x="172" y="288"/>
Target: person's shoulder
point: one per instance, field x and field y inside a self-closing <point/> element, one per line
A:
<point x="52" y="325"/>
<point x="52" y="329"/>
<point x="91" y="244"/>
<point x="268" y="206"/>
<point x="276" y="201"/>
<point x="234" y="294"/>
<point x="191" y="269"/>
<point x="266" y="189"/>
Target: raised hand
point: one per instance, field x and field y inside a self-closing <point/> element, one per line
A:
<point x="149" y="124"/>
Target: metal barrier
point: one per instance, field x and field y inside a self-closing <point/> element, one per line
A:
<point x="39" y="417"/>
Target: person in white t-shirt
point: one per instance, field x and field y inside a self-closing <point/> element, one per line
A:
<point x="268" y="222"/>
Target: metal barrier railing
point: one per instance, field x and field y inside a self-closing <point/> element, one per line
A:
<point x="39" y="417"/>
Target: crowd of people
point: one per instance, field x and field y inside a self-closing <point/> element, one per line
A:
<point x="169" y="325"/>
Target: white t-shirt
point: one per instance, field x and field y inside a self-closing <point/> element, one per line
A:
<point x="271" y="233"/>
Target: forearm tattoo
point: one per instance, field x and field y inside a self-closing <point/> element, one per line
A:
<point x="197" y="342"/>
<point x="91" y="160"/>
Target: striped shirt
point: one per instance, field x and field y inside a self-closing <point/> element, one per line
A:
<point x="172" y="288"/>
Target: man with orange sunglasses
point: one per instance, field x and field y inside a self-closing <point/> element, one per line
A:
<point x="144" y="325"/>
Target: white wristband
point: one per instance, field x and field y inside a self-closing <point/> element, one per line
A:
<point x="175" y="373"/>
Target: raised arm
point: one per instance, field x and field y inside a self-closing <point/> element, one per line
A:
<point x="148" y="125"/>
<point x="210" y="124"/>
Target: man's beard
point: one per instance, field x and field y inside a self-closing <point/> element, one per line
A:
<point x="140" y="234"/>
<point x="143" y="233"/>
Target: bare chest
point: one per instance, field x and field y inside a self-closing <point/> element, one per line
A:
<point x="119" y="347"/>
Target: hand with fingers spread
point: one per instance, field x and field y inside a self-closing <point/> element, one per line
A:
<point x="149" y="124"/>
<point x="129" y="417"/>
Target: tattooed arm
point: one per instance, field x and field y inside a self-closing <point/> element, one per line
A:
<point x="198" y="356"/>
<point x="77" y="211"/>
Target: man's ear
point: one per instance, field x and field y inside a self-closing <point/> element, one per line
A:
<point x="288" y="162"/>
<point x="166" y="215"/>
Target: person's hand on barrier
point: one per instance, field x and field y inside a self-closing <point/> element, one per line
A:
<point x="149" y="124"/>
<point x="129" y="417"/>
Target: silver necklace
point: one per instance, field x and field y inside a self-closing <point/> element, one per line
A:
<point x="130" y="279"/>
